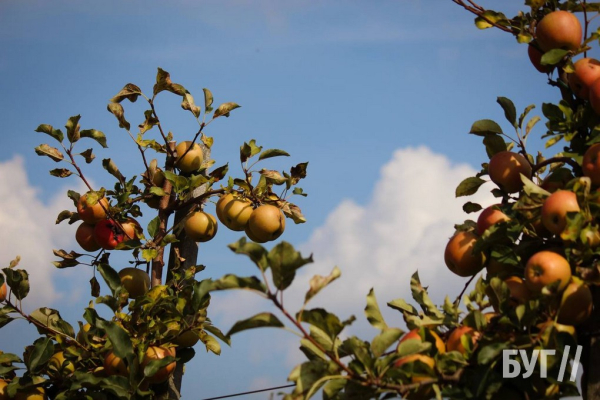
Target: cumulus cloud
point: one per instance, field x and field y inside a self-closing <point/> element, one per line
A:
<point x="28" y="230"/>
<point x="403" y="228"/>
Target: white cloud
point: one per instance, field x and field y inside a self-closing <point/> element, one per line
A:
<point x="28" y="230"/>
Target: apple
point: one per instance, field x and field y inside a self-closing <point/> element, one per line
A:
<point x="576" y="303"/>
<point x="31" y="393"/>
<point x="595" y="96"/>
<point x="84" y="235"/>
<point x="587" y="71"/>
<point x="108" y="234"/>
<point x="546" y="267"/>
<point x="3" y="392"/>
<point x="158" y="353"/>
<point x="3" y="292"/>
<point x="201" y="226"/>
<point x="490" y="216"/>
<point x="234" y="212"/>
<point x="91" y="212"/>
<point x="591" y="163"/>
<point x="555" y="209"/>
<point x="557" y="179"/>
<point x="519" y="293"/>
<point x="422" y="392"/>
<point x="266" y="223"/>
<point x="135" y="281"/>
<point x="505" y="169"/>
<point x="186" y="339"/>
<point x="415" y="335"/>
<point x="535" y="56"/>
<point x="454" y="343"/>
<point x="59" y="366"/>
<point x="459" y="256"/>
<point x="114" y="365"/>
<point x="189" y="160"/>
<point x="559" y="30"/>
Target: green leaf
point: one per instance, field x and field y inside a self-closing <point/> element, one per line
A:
<point x="211" y="343"/>
<point x="483" y="21"/>
<point x="403" y="306"/>
<point x="115" y="385"/>
<point x="117" y="110"/>
<point x="149" y="254"/>
<point x="284" y="260"/>
<point x="73" y="129"/>
<point x="112" y="168"/>
<point x="18" y="282"/>
<point x="219" y="173"/>
<point x="48" y="151"/>
<point x="272" y="153"/>
<point x="361" y="351"/>
<point x="61" y="172"/>
<point x="319" y="317"/>
<point x="231" y="281"/>
<point x="88" y="155"/>
<point x="42" y="351"/>
<point x="510" y="112"/>
<point x="420" y="295"/>
<point x="217" y="332"/>
<point x="52" y="319"/>
<point x="525" y="112"/>
<point x="49" y="130"/>
<point x="129" y="92"/>
<point x="225" y="109"/>
<point x="153" y="366"/>
<point x="179" y="182"/>
<point x="153" y="226"/>
<point x="373" y="313"/>
<point x="249" y="150"/>
<point x="318" y="282"/>
<point x="254" y="251"/>
<point x="119" y="339"/>
<point x="490" y="352"/>
<point x="261" y="320"/>
<point x="163" y="82"/>
<point x="553" y="56"/>
<point x="111" y="277"/>
<point x="470" y="207"/>
<point x="494" y="144"/>
<point x="208" y="100"/>
<point x="384" y="340"/>
<point x="318" y="384"/>
<point x="485" y="127"/>
<point x="95" y="135"/>
<point x="469" y="186"/>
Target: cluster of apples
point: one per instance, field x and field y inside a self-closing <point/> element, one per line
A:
<point x="261" y="224"/>
<point x="97" y="231"/>
<point x="543" y="268"/>
<point x="562" y="30"/>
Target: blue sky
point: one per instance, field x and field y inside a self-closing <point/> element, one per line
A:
<point x="378" y="96"/>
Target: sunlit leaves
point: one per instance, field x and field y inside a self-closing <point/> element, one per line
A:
<point x="269" y="153"/>
<point x="48" y="151"/>
<point x="284" y="261"/>
<point x="318" y="282"/>
<point x="224" y="109"/>
<point x="261" y="320"/>
<point x="117" y="110"/>
<point x="98" y="136"/>
<point x="49" y="130"/>
<point x="129" y="92"/>
<point x="254" y="251"/>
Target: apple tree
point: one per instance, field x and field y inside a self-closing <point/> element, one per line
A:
<point x="143" y="321"/>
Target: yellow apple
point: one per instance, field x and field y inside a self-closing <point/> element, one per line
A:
<point x="189" y="160"/>
<point x="135" y="281"/>
<point x="266" y="223"/>
<point x="201" y="226"/>
<point x="234" y="212"/>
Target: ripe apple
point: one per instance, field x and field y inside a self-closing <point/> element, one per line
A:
<point x="414" y="335"/>
<point x="187" y="339"/>
<point x="3" y="292"/>
<point x="422" y="392"/>
<point x="535" y="56"/>
<point x="135" y="281"/>
<point x="192" y="160"/>
<point x="505" y="169"/>
<point x="559" y="30"/>
<point x="595" y="96"/>
<point x="587" y="71"/>
<point x="84" y="235"/>
<point x="555" y="209"/>
<point x="576" y="303"/>
<point x="454" y="344"/>
<point x="108" y="234"/>
<point x="91" y="213"/>
<point x="557" y="179"/>
<point x="519" y="293"/>
<point x="201" y="226"/>
<point x="32" y="393"/>
<point x="3" y="392"/>
<point x="266" y="223"/>
<point x="490" y="216"/>
<point x="114" y="365"/>
<point x="591" y="163"/>
<point x="58" y="368"/>
<point x="158" y="353"/>
<point x="459" y="256"/>
<point x="234" y="212"/>
<point x="546" y="267"/>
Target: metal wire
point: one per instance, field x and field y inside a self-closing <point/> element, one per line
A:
<point x="251" y="392"/>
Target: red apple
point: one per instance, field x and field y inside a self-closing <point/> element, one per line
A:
<point x="555" y="209"/>
<point x="505" y="169"/>
<point x="490" y="216"/>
